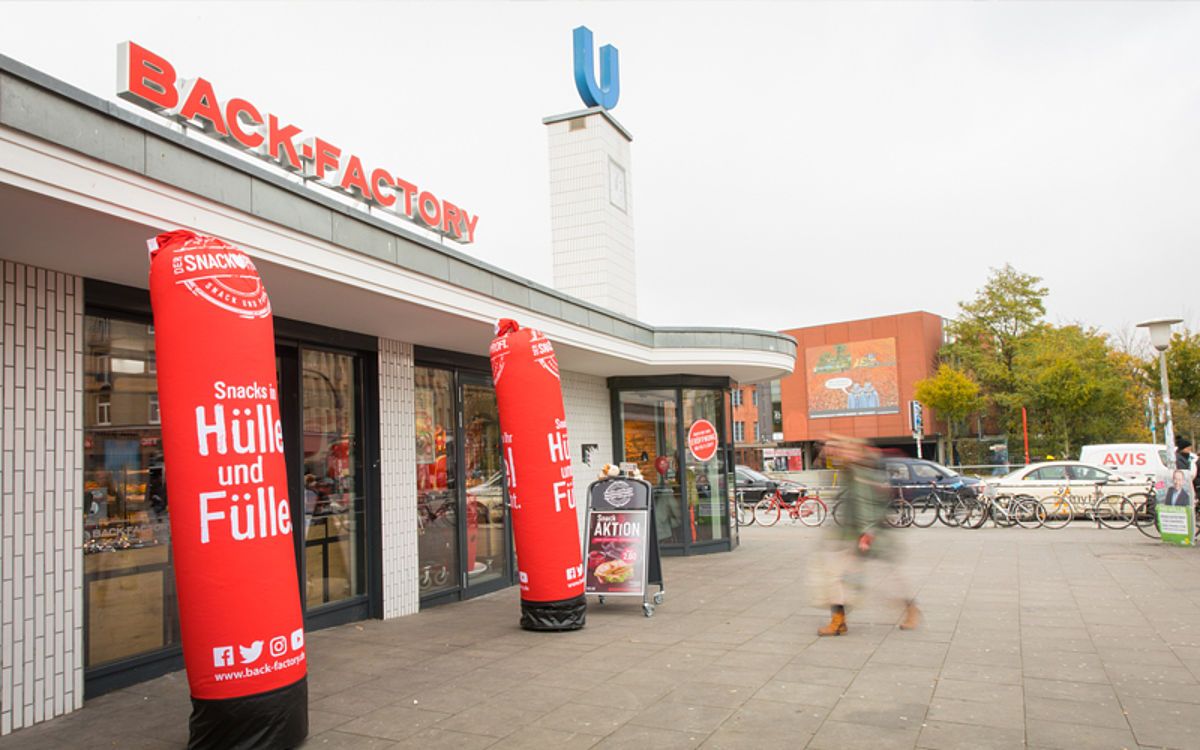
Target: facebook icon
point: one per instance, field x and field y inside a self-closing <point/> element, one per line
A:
<point x="223" y="656"/>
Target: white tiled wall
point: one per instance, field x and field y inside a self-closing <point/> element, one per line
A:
<point x="591" y="239"/>
<point x="586" y="402"/>
<point x="398" y="468"/>
<point x="41" y="443"/>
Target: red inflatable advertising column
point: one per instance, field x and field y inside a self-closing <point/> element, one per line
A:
<point x="231" y="523"/>
<point x="537" y="462"/>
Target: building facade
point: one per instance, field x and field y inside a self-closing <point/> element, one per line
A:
<point x="388" y="410"/>
<point x="857" y="379"/>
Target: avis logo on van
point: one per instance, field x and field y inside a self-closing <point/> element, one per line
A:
<point x="1124" y="459"/>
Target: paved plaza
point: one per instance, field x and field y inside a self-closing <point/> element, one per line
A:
<point x="1080" y="638"/>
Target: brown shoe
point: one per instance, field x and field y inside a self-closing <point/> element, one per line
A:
<point x="836" y="626"/>
<point x="912" y="618"/>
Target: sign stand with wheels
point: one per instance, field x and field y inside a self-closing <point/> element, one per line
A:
<point x="622" y="549"/>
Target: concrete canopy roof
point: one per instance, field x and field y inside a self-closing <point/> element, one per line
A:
<point x="84" y="182"/>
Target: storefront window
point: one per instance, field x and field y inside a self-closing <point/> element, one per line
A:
<point x="128" y="589"/>
<point x="334" y="505"/>
<point x="437" y="502"/>
<point x="651" y="440"/>
<point x="706" y="485"/>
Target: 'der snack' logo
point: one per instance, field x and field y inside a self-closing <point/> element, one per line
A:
<point x="618" y="494"/>
<point x="222" y="276"/>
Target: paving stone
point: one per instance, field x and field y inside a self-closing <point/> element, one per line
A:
<point x="941" y="735"/>
<point x="999" y="715"/>
<point x="635" y="737"/>
<point x="705" y="694"/>
<point x="724" y="739"/>
<point x="392" y="722"/>
<point x="539" y="738"/>
<point x="682" y="717"/>
<point x="343" y="741"/>
<point x="1064" y="736"/>
<point x="1163" y="723"/>
<point x="839" y="735"/>
<point x="578" y="717"/>
<point x="764" y="717"/>
<point x="981" y="692"/>
<point x="801" y="693"/>
<point x="891" y="713"/>
<point x="1100" y="713"/>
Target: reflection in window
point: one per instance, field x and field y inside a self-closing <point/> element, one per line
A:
<point x="437" y="501"/>
<point x="487" y="530"/>
<point x="334" y="507"/>
<point x="650" y="425"/>
<point x="128" y="585"/>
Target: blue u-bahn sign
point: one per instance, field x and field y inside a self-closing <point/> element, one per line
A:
<point x="608" y="91"/>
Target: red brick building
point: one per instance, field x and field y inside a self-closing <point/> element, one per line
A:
<point x="857" y="378"/>
<point x="751" y="423"/>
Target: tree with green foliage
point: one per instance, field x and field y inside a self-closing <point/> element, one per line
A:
<point x="953" y="395"/>
<point x="986" y="337"/>
<point x="1075" y="388"/>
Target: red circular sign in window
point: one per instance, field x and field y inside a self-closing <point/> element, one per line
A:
<point x="702" y="440"/>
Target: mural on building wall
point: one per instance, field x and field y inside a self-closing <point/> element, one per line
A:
<point x="854" y="378"/>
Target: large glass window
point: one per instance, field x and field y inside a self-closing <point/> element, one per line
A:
<point x="334" y="504"/>
<point x="129" y="580"/>
<point x="437" y="499"/>
<point x="651" y="440"/>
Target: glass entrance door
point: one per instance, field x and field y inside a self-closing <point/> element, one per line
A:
<point x="678" y="438"/>
<point x="464" y="542"/>
<point x="488" y="537"/>
<point x="320" y="404"/>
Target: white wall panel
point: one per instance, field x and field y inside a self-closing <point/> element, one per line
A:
<point x="398" y="469"/>
<point x="41" y="443"/>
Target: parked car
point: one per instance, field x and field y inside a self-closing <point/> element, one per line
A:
<point x="1041" y="480"/>
<point x="752" y="485"/>
<point x="914" y="477"/>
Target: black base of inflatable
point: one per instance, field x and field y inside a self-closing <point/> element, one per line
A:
<point x="567" y="614"/>
<point x="278" y="719"/>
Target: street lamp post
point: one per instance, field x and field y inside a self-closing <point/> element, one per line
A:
<point x="1160" y="337"/>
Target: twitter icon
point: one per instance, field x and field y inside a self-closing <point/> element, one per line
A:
<point x="251" y="653"/>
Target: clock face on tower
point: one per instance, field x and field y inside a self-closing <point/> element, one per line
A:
<point x="616" y="184"/>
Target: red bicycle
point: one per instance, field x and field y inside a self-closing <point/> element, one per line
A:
<point x="807" y="509"/>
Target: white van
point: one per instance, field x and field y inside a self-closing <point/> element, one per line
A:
<point x="1132" y="460"/>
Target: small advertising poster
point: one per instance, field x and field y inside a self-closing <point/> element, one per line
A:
<point x="1176" y="519"/>
<point x="1176" y="524"/>
<point x="702" y="440"/>
<point x="616" y="555"/>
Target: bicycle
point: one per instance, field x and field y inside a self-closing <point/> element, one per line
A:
<point x="1015" y="510"/>
<point x="946" y="504"/>
<point x="1110" y="511"/>
<point x="809" y="510"/>
<point x="899" y="513"/>
<point x="745" y="511"/>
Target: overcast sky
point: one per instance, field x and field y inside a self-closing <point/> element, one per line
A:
<point x="793" y="164"/>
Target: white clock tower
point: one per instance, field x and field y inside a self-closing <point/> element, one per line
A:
<point x="591" y="209"/>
